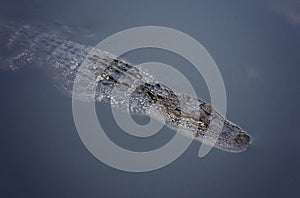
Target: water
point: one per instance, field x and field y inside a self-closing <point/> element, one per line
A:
<point x="256" y="46"/>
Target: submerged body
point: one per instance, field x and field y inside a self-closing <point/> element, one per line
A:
<point x="27" y="45"/>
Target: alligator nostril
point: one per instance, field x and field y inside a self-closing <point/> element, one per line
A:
<point x="243" y="138"/>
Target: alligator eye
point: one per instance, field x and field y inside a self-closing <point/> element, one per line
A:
<point x="206" y="107"/>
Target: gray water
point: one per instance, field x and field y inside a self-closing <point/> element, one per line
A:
<point x="254" y="43"/>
